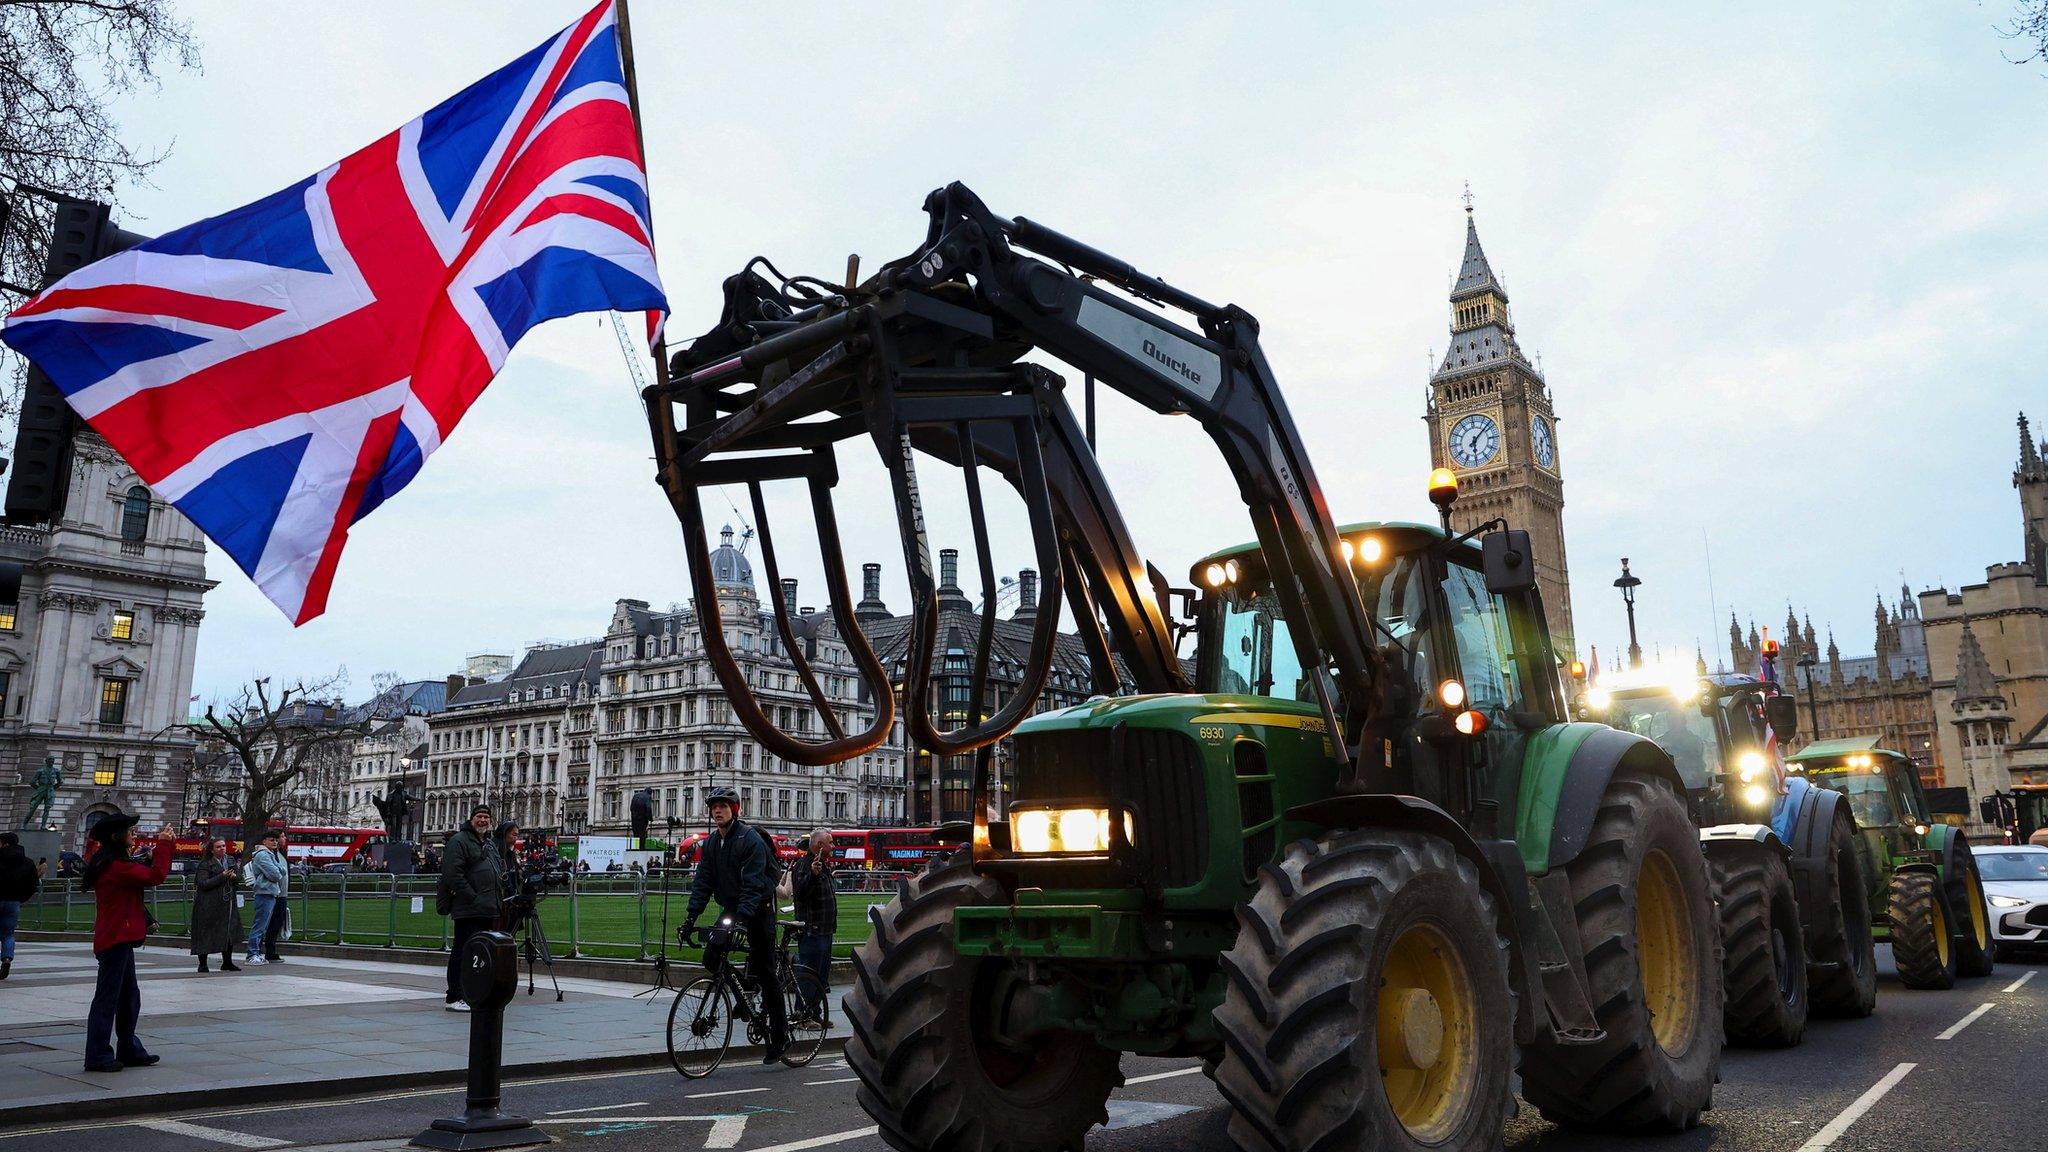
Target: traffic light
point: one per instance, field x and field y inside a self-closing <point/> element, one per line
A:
<point x="41" y="470"/>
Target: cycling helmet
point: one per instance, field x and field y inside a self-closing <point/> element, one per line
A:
<point x="722" y="794"/>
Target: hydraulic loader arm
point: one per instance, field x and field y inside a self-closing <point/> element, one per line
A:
<point x="924" y="354"/>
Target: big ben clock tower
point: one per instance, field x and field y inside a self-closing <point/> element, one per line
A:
<point x="1491" y="422"/>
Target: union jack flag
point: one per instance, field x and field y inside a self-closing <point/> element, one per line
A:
<point x="279" y="371"/>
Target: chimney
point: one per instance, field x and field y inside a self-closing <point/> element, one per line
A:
<point x="456" y="683"/>
<point x="1027" y="595"/>
<point x="870" y="607"/>
<point x="951" y="598"/>
<point x="789" y="595"/>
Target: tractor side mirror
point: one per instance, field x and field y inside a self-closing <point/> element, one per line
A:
<point x="1509" y="565"/>
<point x="1783" y="712"/>
<point x="1948" y="801"/>
<point x="1988" y="808"/>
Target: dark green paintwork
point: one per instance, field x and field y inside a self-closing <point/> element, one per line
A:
<point x="1546" y="766"/>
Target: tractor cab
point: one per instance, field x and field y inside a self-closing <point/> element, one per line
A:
<point x="1882" y="787"/>
<point x="1471" y="669"/>
<point x="1717" y="729"/>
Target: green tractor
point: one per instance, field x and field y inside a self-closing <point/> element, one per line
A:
<point x="1360" y="860"/>
<point x="1922" y="873"/>
<point x="1790" y="885"/>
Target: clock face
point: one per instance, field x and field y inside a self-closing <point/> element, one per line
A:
<point x="1544" y="441"/>
<point x="1475" y="440"/>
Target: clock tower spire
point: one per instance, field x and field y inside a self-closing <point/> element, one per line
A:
<point x="1490" y="420"/>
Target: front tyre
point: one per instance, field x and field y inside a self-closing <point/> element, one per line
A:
<point x="1653" y="966"/>
<point x="1922" y="949"/>
<point x="1965" y="891"/>
<point x="699" y="1027"/>
<point x="1843" y="978"/>
<point x="1368" y="1003"/>
<point x="1764" y="952"/>
<point x="932" y="1075"/>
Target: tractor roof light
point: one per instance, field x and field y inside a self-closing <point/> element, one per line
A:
<point x="1443" y="487"/>
<point x="1346" y="547"/>
<point x="1370" y="549"/>
<point x="1451" y="693"/>
<point x="1749" y="766"/>
<point x="1578" y="670"/>
<point x="1215" y="576"/>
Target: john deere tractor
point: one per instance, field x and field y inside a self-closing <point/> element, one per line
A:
<point x="1922" y="874"/>
<point x="1790" y="887"/>
<point x="1358" y="862"/>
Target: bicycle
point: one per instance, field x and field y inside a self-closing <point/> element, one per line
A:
<point x="700" y="1019"/>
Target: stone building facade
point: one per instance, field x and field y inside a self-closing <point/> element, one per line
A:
<point x="97" y="653"/>
<point x="1990" y="642"/>
<point x="394" y="752"/>
<point x="1491" y="421"/>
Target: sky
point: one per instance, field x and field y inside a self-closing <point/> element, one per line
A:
<point x="1781" y="263"/>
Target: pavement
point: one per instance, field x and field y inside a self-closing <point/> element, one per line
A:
<point x="307" y="1028"/>
<point x="1932" y="1070"/>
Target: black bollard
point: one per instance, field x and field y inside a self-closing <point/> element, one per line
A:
<point x="490" y="976"/>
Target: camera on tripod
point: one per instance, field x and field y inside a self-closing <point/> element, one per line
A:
<point x="533" y="883"/>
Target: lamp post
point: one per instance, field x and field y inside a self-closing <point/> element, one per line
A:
<point x="1628" y="583"/>
<point x="1808" y="661"/>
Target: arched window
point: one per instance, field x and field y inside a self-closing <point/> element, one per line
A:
<point x="135" y="515"/>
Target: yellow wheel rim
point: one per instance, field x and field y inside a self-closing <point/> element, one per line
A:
<point x="1427" y="1029"/>
<point x="1941" y="944"/>
<point x="1973" y="889"/>
<point x="1666" y="955"/>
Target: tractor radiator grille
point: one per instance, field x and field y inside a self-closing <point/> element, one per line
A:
<point x="1160" y="782"/>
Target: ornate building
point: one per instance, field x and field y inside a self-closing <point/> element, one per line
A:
<point x="1994" y="637"/>
<point x="97" y="653"/>
<point x="1885" y="694"/>
<point x="1490" y="420"/>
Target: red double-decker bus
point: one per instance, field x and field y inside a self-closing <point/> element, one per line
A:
<point x="894" y="849"/>
<point x="309" y="844"/>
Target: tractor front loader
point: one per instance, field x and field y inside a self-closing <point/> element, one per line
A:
<point x="1356" y="865"/>
<point x="1790" y="887"/>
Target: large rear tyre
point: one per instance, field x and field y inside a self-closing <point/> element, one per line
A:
<point x="930" y="1073"/>
<point x="1922" y="949"/>
<point x="1763" y="950"/>
<point x="1965" y="891"/>
<point x="1368" y="1003"/>
<point x="1843" y="978"/>
<point x="1653" y="966"/>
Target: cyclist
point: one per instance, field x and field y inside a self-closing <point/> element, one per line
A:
<point x="734" y="870"/>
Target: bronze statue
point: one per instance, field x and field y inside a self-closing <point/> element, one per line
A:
<point x="393" y="806"/>
<point x="43" y="793"/>
<point x="643" y="812"/>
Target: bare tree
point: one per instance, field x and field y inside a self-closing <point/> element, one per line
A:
<point x="2029" y="26"/>
<point x="277" y="742"/>
<point x="62" y="63"/>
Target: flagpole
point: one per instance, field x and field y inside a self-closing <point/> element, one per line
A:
<point x="652" y="396"/>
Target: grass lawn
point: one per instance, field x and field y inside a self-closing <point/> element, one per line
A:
<point x="604" y="918"/>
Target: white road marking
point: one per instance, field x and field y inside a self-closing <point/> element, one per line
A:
<point x="2015" y="985"/>
<point x="820" y="1141"/>
<point x="1965" y="1022"/>
<point x="597" y="1108"/>
<point x="841" y="1080"/>
<point x="726" y="1130"/>
<point x="727" y="1092"/>
<point x="1162" y="1075"/>
<point x="212" y="1135"/>
<point x="1833" y="1130"/>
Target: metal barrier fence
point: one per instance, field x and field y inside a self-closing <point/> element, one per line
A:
<point x="603" y="916"/>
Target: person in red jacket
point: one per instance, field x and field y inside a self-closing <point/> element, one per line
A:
<point x="116" y="883"/>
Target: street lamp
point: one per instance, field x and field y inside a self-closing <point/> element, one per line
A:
<point x="1628" y="584"/>
<point x="1809" y="662"/>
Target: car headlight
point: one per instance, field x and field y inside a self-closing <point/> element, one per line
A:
<point x="2007" y="902"/>
<point x="1038" y="830"/>
<point x="1749" y="766"/>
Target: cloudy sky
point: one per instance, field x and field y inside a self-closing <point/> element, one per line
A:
<point x="1783" y="271"/>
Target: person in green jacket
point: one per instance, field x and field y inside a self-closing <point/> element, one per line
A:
<point x="471" y="873"/>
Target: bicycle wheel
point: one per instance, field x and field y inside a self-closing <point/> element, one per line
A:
<point x="699" y="1028"/>
<point x="807" y="1027"/>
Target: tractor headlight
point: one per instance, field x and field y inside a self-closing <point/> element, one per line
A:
<point x="2007" y="902"/>
<point x="1749" y="766"/>
<point x="1040" y="830"/>
<point x="1599" y="699"/>
<point x="1755" y="795"/>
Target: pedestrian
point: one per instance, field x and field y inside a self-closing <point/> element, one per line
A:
<point x="736" y="868"/>
<point x="280" y="926"/>
<point x="216" y="921"/>
<point x="120" y="924"/>
<point x="817" y="906"/>
<point x="19" y="880"/>
<point x="472" y="891"/>
<point x="268" y="880"/>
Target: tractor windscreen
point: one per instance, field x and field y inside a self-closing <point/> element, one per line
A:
<point x="1870" y="796"/>
<point x="1677" y="727"/>
<point x="1255" y="650"/>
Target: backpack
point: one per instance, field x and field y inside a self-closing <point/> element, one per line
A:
<point x="444" y="896"/>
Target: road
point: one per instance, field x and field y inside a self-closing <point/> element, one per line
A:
<point x="1929" y="1071"/>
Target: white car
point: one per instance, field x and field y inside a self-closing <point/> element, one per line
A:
<point x="2016" y="888"/>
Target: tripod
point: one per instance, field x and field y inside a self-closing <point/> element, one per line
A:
<point x="533" y="942"/>
<point x="661" y="983"/>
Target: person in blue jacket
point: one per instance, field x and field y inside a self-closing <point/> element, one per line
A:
<point x="737" y="869"/>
